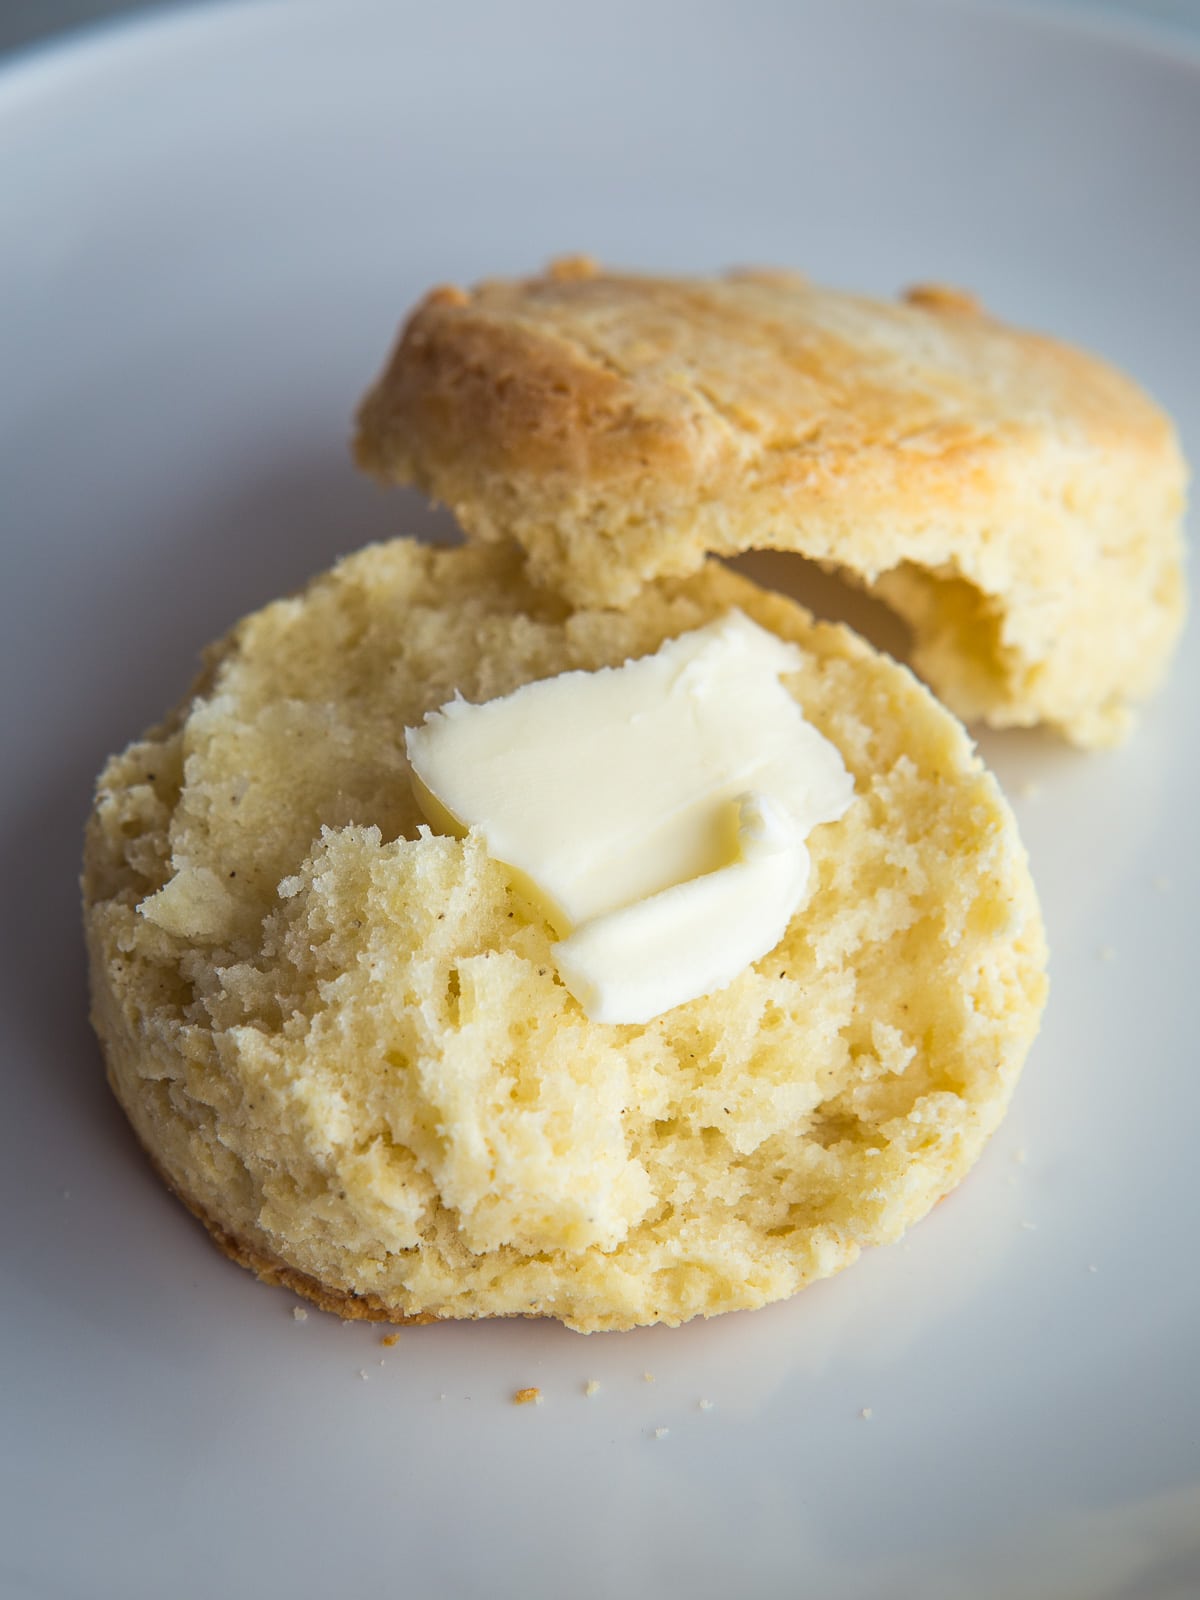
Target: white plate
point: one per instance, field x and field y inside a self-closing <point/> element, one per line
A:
<point x="211" y="225"/>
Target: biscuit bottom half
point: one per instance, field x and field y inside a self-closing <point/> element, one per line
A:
<point x="342" y="1040"/>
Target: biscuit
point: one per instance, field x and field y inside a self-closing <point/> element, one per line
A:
<point x="1017" y="501"/>
<point x="342" y="1040"/>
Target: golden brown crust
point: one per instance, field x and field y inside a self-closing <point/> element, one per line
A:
<point x="620" y="427"/>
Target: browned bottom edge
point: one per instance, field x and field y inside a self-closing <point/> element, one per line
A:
<point x="342" y="1303"/>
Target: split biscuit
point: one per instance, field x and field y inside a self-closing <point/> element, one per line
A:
<point x="343" y="1042"/>
<point x="1017" y="501"/>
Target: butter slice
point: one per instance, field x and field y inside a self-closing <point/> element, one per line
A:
<point x="656" y="812"/>
<point x="711" y="927"/>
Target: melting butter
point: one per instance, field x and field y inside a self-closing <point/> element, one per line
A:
<point x="657" y="811"/>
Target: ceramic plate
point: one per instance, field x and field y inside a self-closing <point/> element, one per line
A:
<point x="211" y="224"/>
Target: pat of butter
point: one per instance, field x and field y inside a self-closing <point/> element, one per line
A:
<point x="656" y="812"/>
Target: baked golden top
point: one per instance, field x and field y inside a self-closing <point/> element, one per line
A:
<point x="343" y="1040"/>
<point x="1017" y="500"/>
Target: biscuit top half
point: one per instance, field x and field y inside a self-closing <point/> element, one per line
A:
<point x="1017" y="501"/>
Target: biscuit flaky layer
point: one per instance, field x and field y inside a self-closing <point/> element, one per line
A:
<point x="1017" y="501"/>
<point x="343" y="1041"/>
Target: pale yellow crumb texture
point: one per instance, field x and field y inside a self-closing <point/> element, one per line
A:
<point x="527" y="1397"/>
<point x="1017" y="501"/>
<point x="344" y="1043"/>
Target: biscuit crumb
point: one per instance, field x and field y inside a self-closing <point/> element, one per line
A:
<point x="942" y="297"/>
<point x="866" y="1414"/>
<point x="390" y="1339"/>
<point x="363" y="1374"/>
<point x="661" y="1433"/>
<point x="299" y="1313"/>
<point x="705" y="1405"/>
<point x="568" y="269"/>
<point x="527" y="1397"/>
<point x="1021" y="1156"/>
<point x="447" y="294"/>
<point x="591" y="1387"/>
<point x="647" y="1377"/>
<point x="1029" y="790"/>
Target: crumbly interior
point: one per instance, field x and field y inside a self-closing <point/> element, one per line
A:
<point x="343" y="1040"/>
